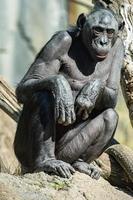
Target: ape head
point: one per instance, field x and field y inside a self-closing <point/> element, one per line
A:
<point x="99" y="31"/>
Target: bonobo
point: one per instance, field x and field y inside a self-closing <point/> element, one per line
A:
<point x="69" y="95"/>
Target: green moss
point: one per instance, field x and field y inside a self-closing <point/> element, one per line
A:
<point x="60" y="184"/>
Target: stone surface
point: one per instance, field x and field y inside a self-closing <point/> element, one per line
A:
<point x="44" y="187"/>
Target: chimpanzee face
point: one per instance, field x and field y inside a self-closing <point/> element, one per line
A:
<point x="99" y="32"/>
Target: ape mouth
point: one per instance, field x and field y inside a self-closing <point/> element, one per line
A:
<point x="101" y="56"/>
<point x="100" y="53"/>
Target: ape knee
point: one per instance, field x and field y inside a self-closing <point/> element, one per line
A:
<point x="110" y="114"/>
<point x="111" y="119"/>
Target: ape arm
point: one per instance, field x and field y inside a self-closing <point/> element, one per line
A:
<point x="95" y="92"/>
<point x="44" y="75"/>
<point x="110" y="92"/>
<point x="44" y="71"/>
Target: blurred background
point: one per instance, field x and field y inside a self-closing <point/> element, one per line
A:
<point x="25" y="26"/>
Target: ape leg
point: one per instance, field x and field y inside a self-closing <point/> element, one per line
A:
<point x="110" y="118"/>
<point x="35" y="130"/>
<point x="88" y="141"/>
<point x="35" y="137"/>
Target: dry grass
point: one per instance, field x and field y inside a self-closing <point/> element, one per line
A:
<point x="8" y="161"/>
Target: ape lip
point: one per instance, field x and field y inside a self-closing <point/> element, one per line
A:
<point x="101" y="56"/>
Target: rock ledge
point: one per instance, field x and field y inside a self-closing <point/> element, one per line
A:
<point x="44" y="187"/>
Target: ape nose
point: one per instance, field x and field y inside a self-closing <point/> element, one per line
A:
<point x="103" y="41"/>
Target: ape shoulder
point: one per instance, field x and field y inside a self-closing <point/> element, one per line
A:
<point x="56" y="47"/>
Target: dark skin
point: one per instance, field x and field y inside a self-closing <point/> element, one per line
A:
<point x="69" y="95"/>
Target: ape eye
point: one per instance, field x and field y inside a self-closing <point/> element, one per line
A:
<point x="110" y="32"/>
<point x="98" y="30"/>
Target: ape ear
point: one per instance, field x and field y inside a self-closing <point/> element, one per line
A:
<point x="81" y="20"/>
<point x="121" y="26"/>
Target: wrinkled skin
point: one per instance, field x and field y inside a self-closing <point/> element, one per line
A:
<point x="69" y="95"/>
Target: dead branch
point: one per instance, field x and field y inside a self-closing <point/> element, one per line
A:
<point x="88" y="5"/>
<point x="8" y="101"/>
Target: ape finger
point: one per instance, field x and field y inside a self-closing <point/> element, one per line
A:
<point x="79" y="111"/>
<point x="86" y="171"/>
<point x="73" y="116"/>
<point x="68" y="119"/>
<point x="72" y="170"/>
<point x="61" y="172"/>
<point x="61" y="118"/>
<point x="98" y="175"/>
<point x="70" y="116"/>
<point x="57" y="110"/>
<point x="95" y="174"/>
<point x="67" y="171"/>
<point x="85" y="115"/>
<point x="77" y="106"/>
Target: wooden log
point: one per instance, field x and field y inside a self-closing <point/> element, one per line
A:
<point x="124" y="11"/>
<point x="8" y="101"/>
<point x="112" y="171"/>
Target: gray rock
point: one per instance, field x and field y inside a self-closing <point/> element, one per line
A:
<point x="44" y="187"/>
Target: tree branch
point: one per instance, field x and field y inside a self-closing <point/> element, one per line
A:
<point x="88" y="5"/>
<point x="8" y="101"/>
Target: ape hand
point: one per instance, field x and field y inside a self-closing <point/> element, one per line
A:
<point x="59" y="168"/>
<point x="64" y="104"/>
<point x="89" y="169"/>
<point x="86" y="99"/>
<point x="83" y="106"/>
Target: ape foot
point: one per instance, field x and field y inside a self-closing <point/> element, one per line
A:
<point x="89" y="169"/>
<point x="57" y="167"/>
